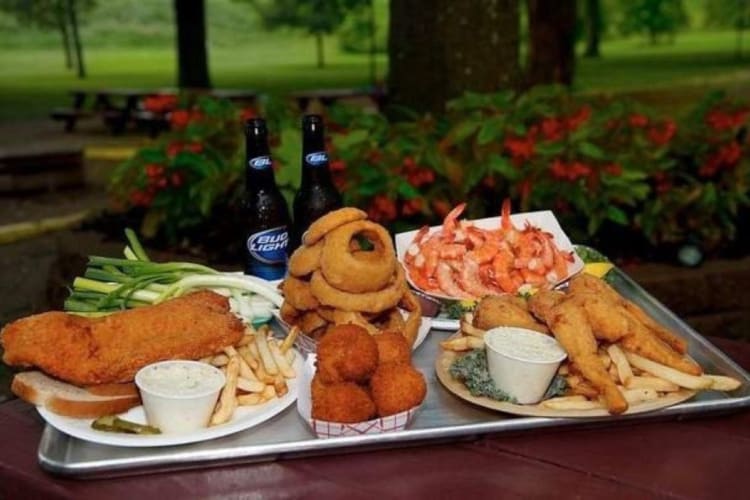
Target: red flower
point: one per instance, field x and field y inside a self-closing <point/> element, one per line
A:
<point x="720" y="120"/>
<point x="177" y="179"/>
<point x="194" y="147"/>
<point x="569" y="172"/>
<point x="637" y="120"/>
<point x="160" y="103"/>
<point x="613" y="169"/>
<point x="179" y="118"/>
<point x="153" y="170"/>
<point x="661" y="136"/>
<point x="552" y="129"/>
<point x="141" y="198"/>
<point x="662" y="183"/>
<point x="520" y="148"/>
<point x="730" y="154"/>
<point x="382" y="209"/>
<point x="412" y="207"/>
<point x="338" y="165"/>
<point x="578" y="119"/>
<point x="174" y="148"/>
<point x="248" y="113"/>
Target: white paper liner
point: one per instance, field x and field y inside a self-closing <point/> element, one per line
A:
<point x="324" y="429"/>
<point x="545" y="220"/>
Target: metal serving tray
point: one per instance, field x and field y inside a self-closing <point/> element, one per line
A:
<point x="443" y="416"/>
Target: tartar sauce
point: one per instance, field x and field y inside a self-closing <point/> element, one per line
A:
<point x="180" y="379"/>
<point x="525" y="345"/>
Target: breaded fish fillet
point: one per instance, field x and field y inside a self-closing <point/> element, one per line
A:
<point x="111" y="349"/>
<point x="505" y="310"/>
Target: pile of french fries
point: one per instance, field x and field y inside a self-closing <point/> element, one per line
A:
<point x="256" y="371"/>
<point x="639" y="379"/>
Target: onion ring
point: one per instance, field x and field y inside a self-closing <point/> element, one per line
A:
<point x="410" y="302"/>
<point x="354" y="318"/>
<point x="373" y="302"/>
<point x="288" y="313"/>
<point x="358" y="271"/>
<point x="297" y="293"/>
<point x="305" y="260"/>
<point x="311" y="321"/>
<point x="331" y="221"/>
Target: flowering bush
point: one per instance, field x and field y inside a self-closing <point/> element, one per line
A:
<point x="698" y="200"/>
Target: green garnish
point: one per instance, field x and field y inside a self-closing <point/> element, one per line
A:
<point x="111" y="423"/>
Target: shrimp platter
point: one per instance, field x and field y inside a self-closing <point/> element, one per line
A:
<point x="471" y="259"/>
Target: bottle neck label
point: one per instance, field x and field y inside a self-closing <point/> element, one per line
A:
<point x="260" y="163"/>
<point x="269" y="246"/>
<point x="317" y="159"/>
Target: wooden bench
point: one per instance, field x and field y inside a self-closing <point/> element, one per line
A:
<point x="152" y="123"/>
<point x="69" y="116"/>
<point x="327" y="97"/>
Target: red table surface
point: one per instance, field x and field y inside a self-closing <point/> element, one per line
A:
<point x="697" y="458"/>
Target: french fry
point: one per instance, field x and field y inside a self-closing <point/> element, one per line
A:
<point x="248" y="385"/>
<point x="462" y="344"/>
<point x="245" y="352"/>
<point x="245" y="370"/>
<point x="655" y="383"/>
<point x="261" y="342"/>
<point x="220" y="360"/>
<point x="246" y="339"/>
<point x="289" y="339"/>
<point x="469" y="329"/>
<point x="624" y="372"/>
<point x="667" y="373"/>
<point x="613" y="373"/>
<point x="207" y="359"/>
<point x="251" y="399"/>
<point x="634" y="396"/>
<point x="227" y="401"/>
<point x="286" y="370"/>
<point x="578" y="386"/>
<point x="260" y="371"/>
<point x="605" y="359"/>
<point x="279" y="385"/>
<point x="722" y="383"/>
<point x="290" y="357"/>
<point x="269" y="392"/>
<point x="564" y="369"/>
<point x="575" y="404"/>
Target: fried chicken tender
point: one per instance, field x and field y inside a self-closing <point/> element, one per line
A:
<point x="343" y="402"/>
<point x="587" y="283"/>
<point x="392" y="347"/>
<point x="397" y="387"/>
<point x="346" y="353"/>
<point x="505" y="310"/>
<point x="569" y="324"/>
<point x="111" y="349"/>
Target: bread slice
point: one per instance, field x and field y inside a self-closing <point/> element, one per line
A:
<point x="68" y="400"/>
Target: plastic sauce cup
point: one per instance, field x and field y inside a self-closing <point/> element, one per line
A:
<point x="179" y="396"/>
<point x="522" y="362"/>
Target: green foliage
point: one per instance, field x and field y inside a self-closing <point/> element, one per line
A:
<point x="728" y="13"/>
<point x="652" y="17"/>
<point x="354" y="33"/>
<point x="314" y="16"/>
<point x="44" y="14"/>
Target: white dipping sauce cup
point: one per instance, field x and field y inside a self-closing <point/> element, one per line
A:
<point x="522" y="362"/>
<point x="179" y="396"/>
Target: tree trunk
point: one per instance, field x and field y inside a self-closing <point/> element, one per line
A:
<point x="439" y="49"/>
<point x="320" y="51"/>
<point x="73" y="18"/>
<point x="62" y="24"/>
<point x="552" y="42"/>
<point x="192" y="57"/>
<point x="593" y="16"/>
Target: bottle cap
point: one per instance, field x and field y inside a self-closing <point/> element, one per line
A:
<point x="255" y="125"/>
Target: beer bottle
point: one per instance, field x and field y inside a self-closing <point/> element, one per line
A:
<point x="267" y="220"/>
<point x="317" y="194"/>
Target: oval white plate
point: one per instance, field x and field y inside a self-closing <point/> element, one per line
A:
<point x="244" y="418"/>
<point x="544" y="220"/>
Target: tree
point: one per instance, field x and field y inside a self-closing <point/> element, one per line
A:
<point x="729" y="14"/>
<point x="552" y="30"/>
<point x="652" y="17"/>
<point x="317" y="17"/>
<point x="192" y="56"/>
<point x="61" y="15"/>
<point x="592" y="10"/>
<point x="439" y="49"/>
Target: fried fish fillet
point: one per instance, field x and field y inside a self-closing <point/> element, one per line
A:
<point x="505" y="310"/>
<point x="111" y="349"/>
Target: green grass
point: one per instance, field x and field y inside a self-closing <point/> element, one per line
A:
<point x="34" y="80"/>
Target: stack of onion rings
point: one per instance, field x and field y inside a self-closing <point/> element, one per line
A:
<point x="333" y="280"/>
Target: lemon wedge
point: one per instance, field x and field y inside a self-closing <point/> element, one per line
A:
<point x="598" y="269"/>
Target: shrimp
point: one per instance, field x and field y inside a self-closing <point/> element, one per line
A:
<point x="468" y="277"/>
<point x="447" y="284"/>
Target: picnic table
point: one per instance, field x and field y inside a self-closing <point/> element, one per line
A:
<point x="693" y="458"/>
<point x="329" y="96"/>
<point x="120" y="106"/>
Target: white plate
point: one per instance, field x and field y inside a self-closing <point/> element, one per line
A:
<point x="545" y="220"/>
<point x="424" y="327"/>
<point x="244" y="418"/>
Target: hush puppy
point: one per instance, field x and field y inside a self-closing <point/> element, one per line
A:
<point x="343" y="402"/>
<point x="392" y="347"/>
<point x="396" y="387"/>
<point x="346" y="353"/>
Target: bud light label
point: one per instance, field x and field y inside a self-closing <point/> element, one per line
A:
<point x="267" y="253"/>
<point x="318" y="159"/>
<point x="260" y="162"/>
